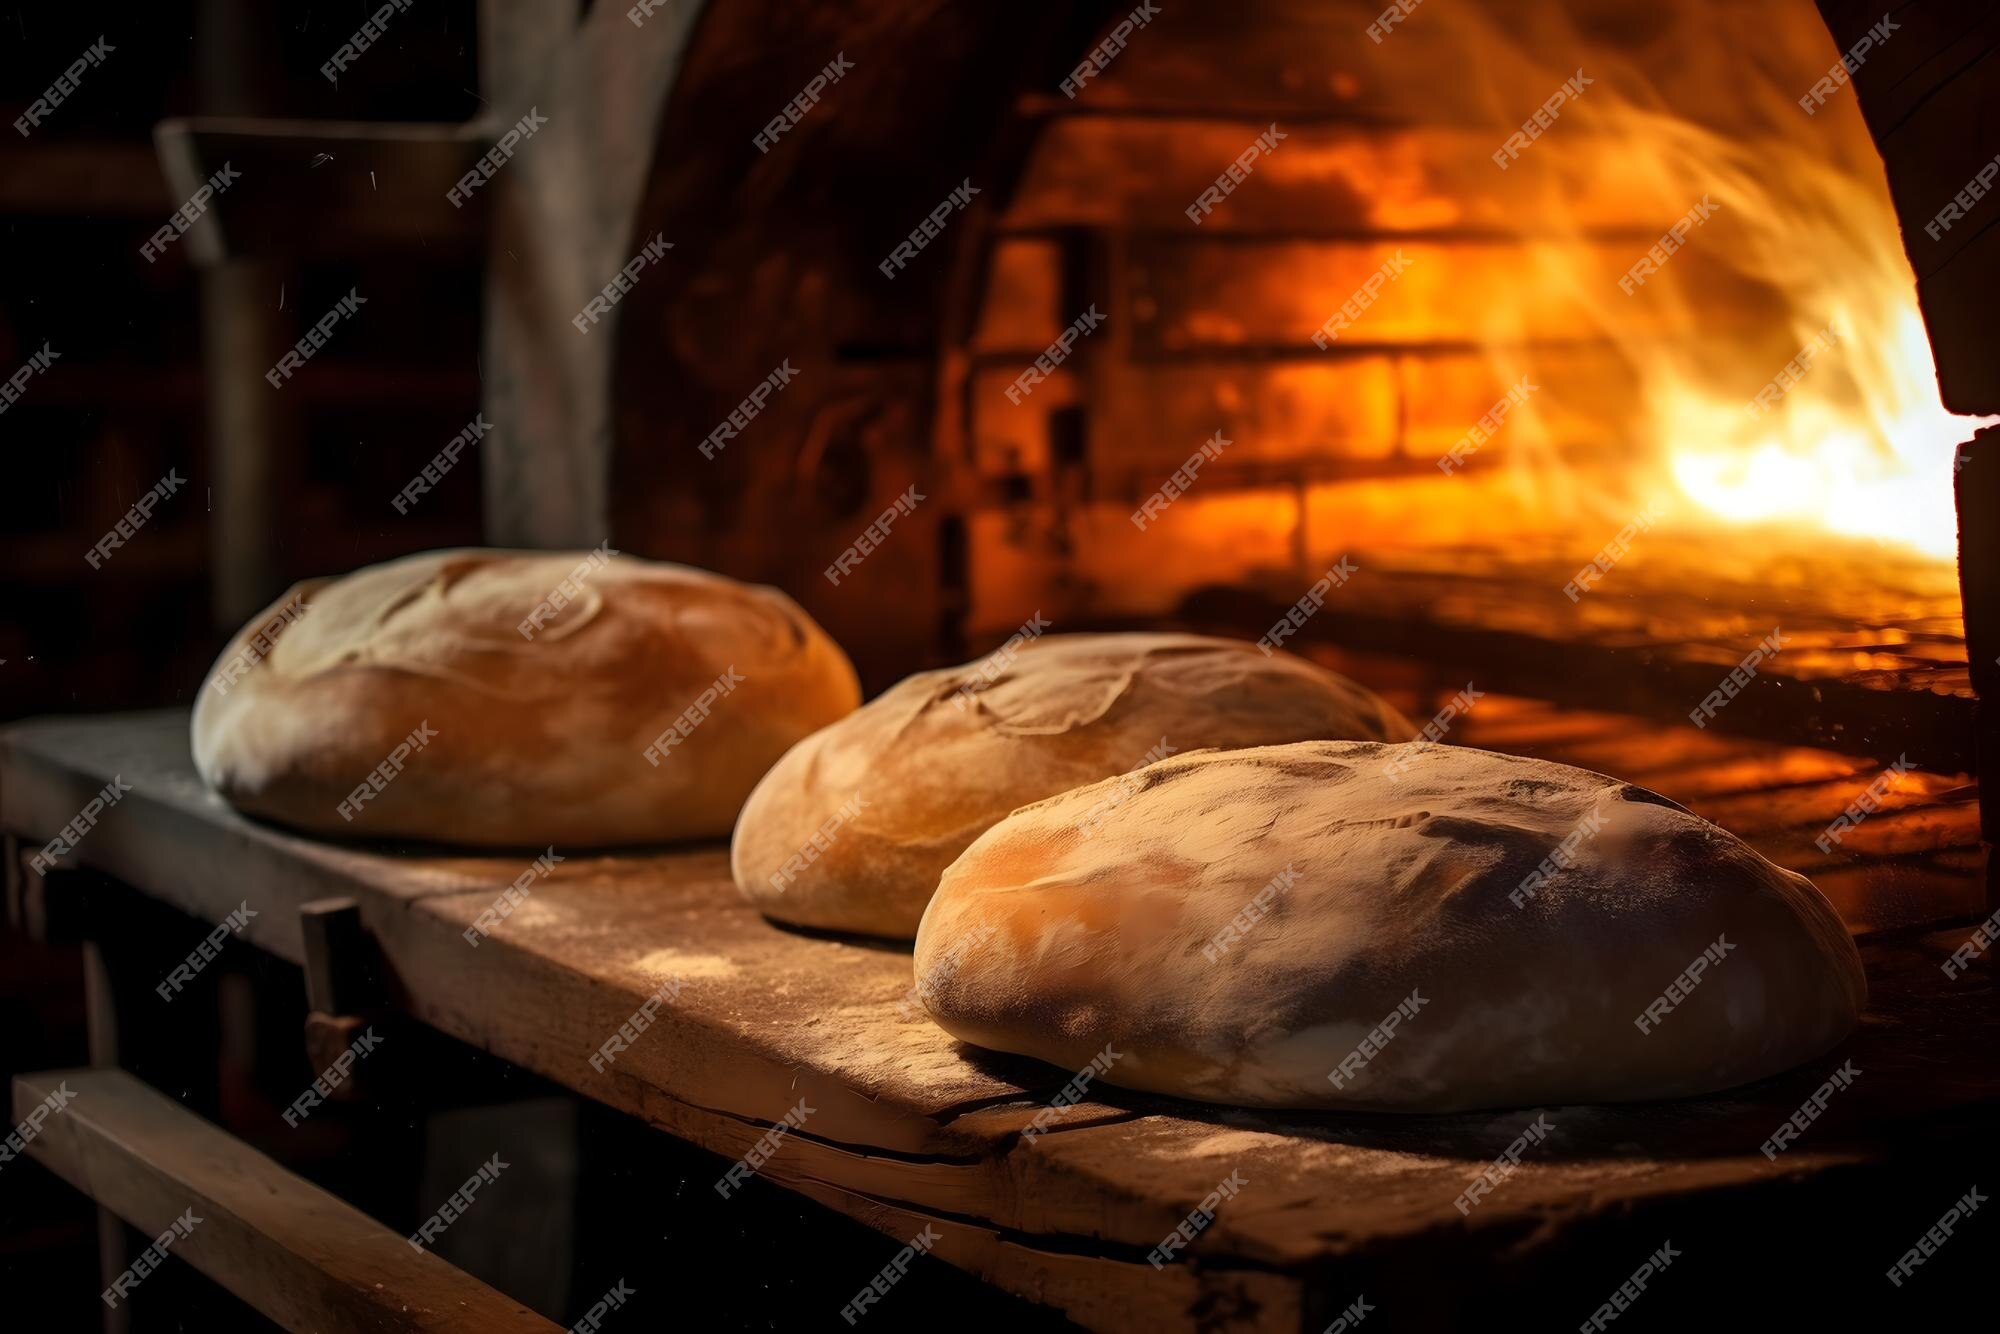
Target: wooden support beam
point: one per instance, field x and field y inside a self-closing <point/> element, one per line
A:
<point x="344" y="995"/>
<point x="48" y="907"/>
<point x="250" y="429"/>
<point x="320" y="188"/>
<point x="341" y="975"/>
<point x="302" y="1257"/>
<point x="103" y="180"/>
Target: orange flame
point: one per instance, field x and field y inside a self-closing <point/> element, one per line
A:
<point x="1696" y="103"/>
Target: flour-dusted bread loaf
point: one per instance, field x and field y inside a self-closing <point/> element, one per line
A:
<point x="515" y="698"/>
<point x="1302" y="926"/>
<point x="851" y="830"/>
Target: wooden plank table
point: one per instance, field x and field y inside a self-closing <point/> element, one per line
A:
<point x="910" y="1128"/>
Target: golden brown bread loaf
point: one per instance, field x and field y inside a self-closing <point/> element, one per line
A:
<point x="852" y="828"/>
<point x="1296" y="926"/>
<point x="515" y="698"/>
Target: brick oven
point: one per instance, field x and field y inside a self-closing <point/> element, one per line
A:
<point x="1460" y="311"/>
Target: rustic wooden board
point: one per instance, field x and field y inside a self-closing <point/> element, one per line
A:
<point x="909" y="1127"/>
<point x="363" y="185"/>
<point x="294" y="1252"/>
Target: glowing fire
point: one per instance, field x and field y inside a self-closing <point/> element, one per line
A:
<point x="1886" y="474"/>
<point x="1692" y="102"/>
<point x="1841" y="427"/>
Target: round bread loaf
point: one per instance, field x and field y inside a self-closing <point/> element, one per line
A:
<point x="515" y="698"/>
<point x="1413" y="928"/>
<point x="851" y="830"/>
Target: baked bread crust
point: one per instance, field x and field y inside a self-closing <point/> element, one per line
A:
<point x="542" y="702"/>
<point x="1545" y="918"/>
<point x="851" y="829"/>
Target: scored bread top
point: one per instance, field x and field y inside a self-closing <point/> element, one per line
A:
<point x="851" y="830"/>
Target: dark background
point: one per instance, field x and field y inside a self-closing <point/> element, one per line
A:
<point x="124" y="404"/>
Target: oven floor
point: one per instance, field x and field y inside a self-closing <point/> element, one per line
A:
<point x="1915" y="861"/>
<point x="1872" y="657"/>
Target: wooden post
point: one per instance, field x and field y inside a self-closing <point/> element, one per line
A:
<point x="250" y="429"/>
<point x="343" y="986"/>
<point x="100" y="1001"/>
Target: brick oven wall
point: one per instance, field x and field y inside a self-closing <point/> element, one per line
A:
<point x="1208" y="328"/>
